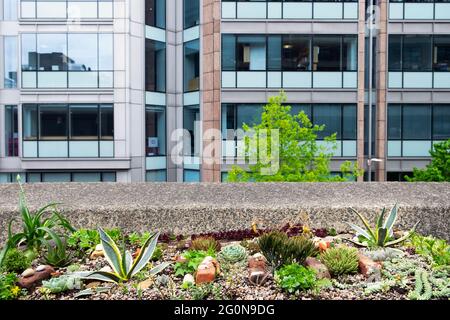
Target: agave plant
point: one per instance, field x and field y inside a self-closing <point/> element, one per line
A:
<point x="57" y="254"/>
<point x="121" y="261"/>
<point x="382" y="235"/>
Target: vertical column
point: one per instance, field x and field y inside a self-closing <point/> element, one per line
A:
<point x="381" y="92"/>
<point x="210" y="90"/>
<point x="361" y="84"/>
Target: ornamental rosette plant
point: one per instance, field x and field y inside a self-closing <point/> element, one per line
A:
<point x="122" y="263"/>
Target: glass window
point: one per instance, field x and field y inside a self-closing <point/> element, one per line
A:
<point x="327" y="53"/>
<point x="441" y="122"/>
<point x="107" y="122"/>
<point x="441" y="56"/>
<point x="105" y="52"/>
<point x="10" y="59"/>
<point x="82" y="58"/>
<point x="11" y="131"/>
<point x="395" y="53"/>
<point x="86" y="177"/>
<point x="191" y="13"/>
<point x="330" y="116"/>
<point x="191" y="66"/>
<point x="228" y="52"/>
<point x="349" y="121"/>
<point x="56" y="177"/>
<point x="30" y="121"/>
<point x="250" y="114"/>
<point x="349" y="53"/>
<point x="274" y="53"/>
<point x="155" y="131"/>
<point x="416" y="53"/>
<point x="191" y="176"/>
<point x="84" y="122"/>
<point x="155" y="13"/>
<point x="228" y="120"/>
<point x="155" y="66"/>
<point x="251" y="53"/>
<point x="296" y="53"/>
<point x="52" y="49"/>
<point x="394" y="122"/>
<point x="156" y="176"/>
<point x="9" y="9"/>
<point x="416" y="122"/>
<point x="297" y="108"/>
<point x="191" y="123"/>
<point x="53" y="122"/>
<point x="29" y="52"/>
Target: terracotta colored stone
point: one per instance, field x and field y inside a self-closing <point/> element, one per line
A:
<point x="321" y="270"/>
<point x="180" y="259"/>
<point x="367" y="266"/>
<point x="144" y="285"/>
<point x="36" y="279"/>
<point x="258" y="261"/>
<point x="257" y="270"/>
<point x="207" y="271"/>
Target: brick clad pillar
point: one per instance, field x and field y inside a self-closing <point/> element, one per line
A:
<point x="211" y="90"/>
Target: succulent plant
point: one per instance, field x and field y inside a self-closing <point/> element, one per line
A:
<point x="383" y="254"/>
<point x="233" y="253"/>
<point x="205" y="244"/>
<point x="382" y="235"/>
<point x="63" y="283"/>
<point x="341" y="260"/>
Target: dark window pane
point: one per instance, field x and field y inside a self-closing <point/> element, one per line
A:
<point x="248" y="114"/>
<point x="155" y="66"/>
<point x="417" y="53"/>
<point x="441" y="60"/>
<point x="228" y="52"/>
<point x="191" y="66"/>
<point x="349" y="122"/>
<point x="395" y="53"/>
<point x="155" y="13"/>
<point x="53" y="122"/>
<point x="11" y="131"/>
<point x="416" y="122"/>
<point x="155" y="131"/>
<point x="30" y="121"/>
<point x="394" y="122"/>
<point x="191" y="13"/>
<point x="107" y="122"/>
<point x="441" y="122"/>
<point x="84" y="122"/>
<point x="350" y="53"/>
<point x="330" y="116"/>
<point x="327" y="53"/>
<point x="274" y="53"/>
<point x="297" y="108"/>
<point x="296" y="53"/>
<point x="251" y="53"/>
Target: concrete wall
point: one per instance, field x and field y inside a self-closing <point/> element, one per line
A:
<point x="196" y="208"/>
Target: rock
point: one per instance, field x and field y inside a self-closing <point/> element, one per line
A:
<point x="367" y="266"/>
<point x="144" y="285"/>
<point x="93" y="284"/>
<point x="99" y="247"/>
<point x="42" y="273"/>
<point x="180" y="259"/>
<point x="257" y="269"/>
<point x="207" y="271"/>
<point x="28" y="273"/>
<point x="323" y="245"/>
<point x="321" y="270"/>
<point x="189" y="279"/>
<point x="106" y="269"/>
<point x="97" y="254"/>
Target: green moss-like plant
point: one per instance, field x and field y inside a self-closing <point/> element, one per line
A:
<point x="233" y="253"/>
<point x="341" y="260"/>
<point x="294" y="277"/>
<point x="205" y="244"/>
<point x="15" y="261"/>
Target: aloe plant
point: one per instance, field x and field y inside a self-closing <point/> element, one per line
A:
<point x="382" y="235"/>
<point x="121" y="261"/>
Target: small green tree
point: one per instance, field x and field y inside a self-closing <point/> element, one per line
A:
<point x="439" y="168"/>
<point x="300" y="157"/>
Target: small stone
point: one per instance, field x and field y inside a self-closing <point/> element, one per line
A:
<point x="258" y="278"/>
<point x="189" y="279"/>
<point x="320" y="269"/>
<point x="97" y="254"/>
<point x="146" y="284"/>
<point x="257" y="261"/>
<point x="93" y="285"/>
<point x="41" y="268"/>
<point x="257" y="269"/>
<point x="180" y="259"/>
<point x="99" y="247"/>
<point x="207" y="271"/>
<point x="367" y="266"/>
<point x="106" y="269"/>
<point x="28" y="273"/>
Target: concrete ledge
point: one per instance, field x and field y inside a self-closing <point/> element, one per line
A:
<point x="196" y="208"/>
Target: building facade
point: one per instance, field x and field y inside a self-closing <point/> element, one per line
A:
<point x="95" y="90"/>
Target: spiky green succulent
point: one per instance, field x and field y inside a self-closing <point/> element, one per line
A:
<point x="382" y="235"/>
<point x="233" y="253"/>
<point x="341" y="260"/>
